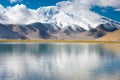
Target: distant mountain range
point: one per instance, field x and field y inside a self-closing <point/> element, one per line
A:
<point x="59" y="25"/>
<point x="39" y="30"/>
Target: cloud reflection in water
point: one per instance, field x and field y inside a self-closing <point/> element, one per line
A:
<point x="47" y="61"/>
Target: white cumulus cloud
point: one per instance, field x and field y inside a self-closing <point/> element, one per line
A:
<point x="102" y="3"/>
<point x="105" y="3"/>
<point x="12" y="1"/>
<point x="18" y="14"/>
<point x="117" y="9"/>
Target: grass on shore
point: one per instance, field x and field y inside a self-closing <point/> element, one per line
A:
<point x="63" y="41"/>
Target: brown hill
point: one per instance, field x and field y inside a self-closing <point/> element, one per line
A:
<point x="112" y="36"/>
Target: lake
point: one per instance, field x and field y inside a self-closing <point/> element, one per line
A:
<point x="59" y="61"/>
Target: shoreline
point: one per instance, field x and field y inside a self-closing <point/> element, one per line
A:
<point x="64" y="41"/>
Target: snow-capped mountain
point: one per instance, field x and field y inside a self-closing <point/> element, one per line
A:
<point x="53" y="22"/>
<point x="57" y="15"/>
<point x="39" y="30"/>
<point x="54" y="14"/>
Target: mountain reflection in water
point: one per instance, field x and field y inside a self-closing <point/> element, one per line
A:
<point x="54" y="61"/>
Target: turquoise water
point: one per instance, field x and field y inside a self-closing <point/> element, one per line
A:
<point x="55" y="61"/>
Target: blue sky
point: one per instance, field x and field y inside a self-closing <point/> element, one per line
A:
<point x="33" y="4"/>
<point x="109" y="12"/>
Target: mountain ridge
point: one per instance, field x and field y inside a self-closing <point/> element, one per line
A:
<point x="54" y="23"/>
<point x="39" y="30"/>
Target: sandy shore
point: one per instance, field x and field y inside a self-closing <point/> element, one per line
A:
<point x="64" y="41"/>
